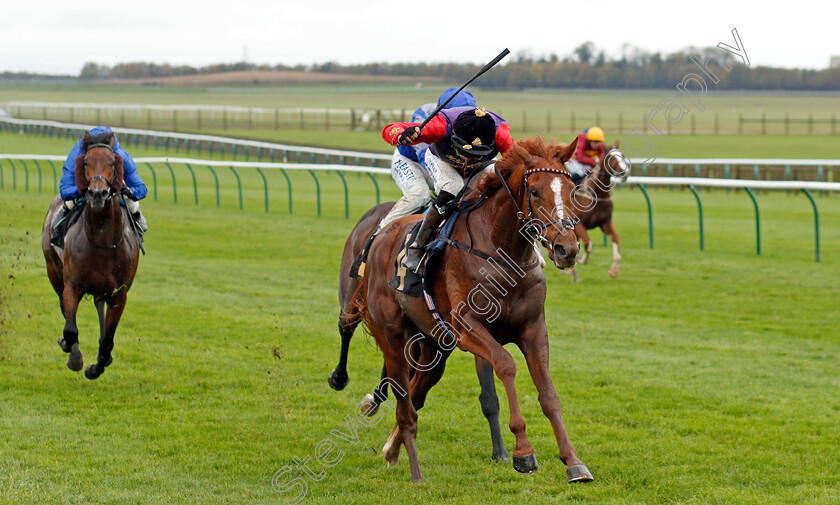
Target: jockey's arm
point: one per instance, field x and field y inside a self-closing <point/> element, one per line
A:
<point x="431" y="133"/>
<point x="67" y="185"/>
<point x="131" y="178"/>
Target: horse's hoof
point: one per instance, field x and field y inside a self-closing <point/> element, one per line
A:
<point x="613" y="273"/>
<point x="525" y="464"/>
<point x="500" y="456"/>
<point x="369" y="405"/>
<point x="579" y="473"/>
<point x="63" y="344"/>
<point x="92" y="372"/>
<point x="338" y="381"/>
<point x="75" y="361"/>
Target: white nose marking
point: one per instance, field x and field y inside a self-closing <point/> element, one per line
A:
<point x="557" y="187"/>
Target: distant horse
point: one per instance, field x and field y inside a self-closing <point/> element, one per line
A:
<point x="593" y="205"/>
<point x="100" y="252"/>
<point x="529" y="191"/>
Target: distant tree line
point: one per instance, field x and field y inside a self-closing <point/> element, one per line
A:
<point x="587" y="67"/>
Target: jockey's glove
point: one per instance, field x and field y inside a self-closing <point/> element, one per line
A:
<point x="126" y="192"/>
<point x="405" y="137"/>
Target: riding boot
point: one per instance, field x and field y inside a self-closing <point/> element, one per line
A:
<point x="437" y="212"/>
<point x="57" y="226"/>
<point x="141" y="221"/>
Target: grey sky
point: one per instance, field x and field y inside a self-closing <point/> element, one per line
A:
<point x="57" y="36"/>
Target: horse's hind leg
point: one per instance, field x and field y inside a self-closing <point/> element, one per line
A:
<point x="70" y="341"/>
<point x="108" y="327"/>
<point x="421" y="382"/>
<point x="370" y="403"/>
<point x="338" y="378"/>
<point x="609" y="229"/>
<point x="490" y="406"/>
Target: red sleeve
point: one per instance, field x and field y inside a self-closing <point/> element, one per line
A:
<point x="503" y="139"/>
<point x="432" y="132"/>
<point x="579" y="151"/>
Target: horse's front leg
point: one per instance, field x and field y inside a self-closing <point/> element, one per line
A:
<point x="609" y="229"/>
<point x="534" y="345"/>
<point x="479" y="342"/>
<point x="116" y="305"/>
<point x="490" y="406"/>
<point x="580" y="231"/>
<point x="70" y="341"/>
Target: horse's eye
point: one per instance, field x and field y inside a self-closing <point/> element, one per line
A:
<point x="535" y="192"/>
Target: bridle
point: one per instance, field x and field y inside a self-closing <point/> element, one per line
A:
<point x="100" y="176"/>
<point x="529" y="219"/>
<point x="108" y="197"/>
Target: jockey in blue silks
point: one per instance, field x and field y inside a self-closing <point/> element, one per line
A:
<point x="408" y="166"/>
<point x="133" y="187"/>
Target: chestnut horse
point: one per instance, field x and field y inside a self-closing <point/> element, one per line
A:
<point x="338" y="378"/>
<point x="593" y="205"/>
<point x="100" y="252"/>
<point x="530" y="188"/>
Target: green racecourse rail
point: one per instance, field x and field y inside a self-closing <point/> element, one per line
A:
<point x="321" y="162"/>
<point x="641" y="182"/>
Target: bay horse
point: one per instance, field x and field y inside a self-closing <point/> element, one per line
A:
<point x="527" y="198"/>
<point x="593" y="205"/>
<point x="100" y="253"/>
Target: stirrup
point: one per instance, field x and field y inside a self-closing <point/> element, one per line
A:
<point x="141" y="221"/>
<point x="418" y="268"/>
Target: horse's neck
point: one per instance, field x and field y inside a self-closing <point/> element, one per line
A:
<point x="498" y="215"/>
<point x="106" y="226"/>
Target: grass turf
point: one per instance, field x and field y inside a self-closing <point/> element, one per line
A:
<point x="693" y="378"/>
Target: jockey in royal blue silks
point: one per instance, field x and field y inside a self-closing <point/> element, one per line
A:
<point x="408" y="166"/>
<point x="133" y="187"/>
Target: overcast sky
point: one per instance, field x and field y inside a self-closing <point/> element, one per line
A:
<point x="59" y="36"/>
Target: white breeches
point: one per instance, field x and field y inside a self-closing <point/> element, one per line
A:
<point x="415" y="184"/>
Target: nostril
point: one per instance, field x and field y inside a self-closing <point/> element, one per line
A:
<point x="560" y="251"/>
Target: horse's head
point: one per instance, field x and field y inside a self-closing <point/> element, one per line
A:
<point x="615" y="166"/>
<point x="546" y="197"/>
<point x="99" y="171"/>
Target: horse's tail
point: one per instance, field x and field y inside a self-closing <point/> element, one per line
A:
<point x="357" y="310"/>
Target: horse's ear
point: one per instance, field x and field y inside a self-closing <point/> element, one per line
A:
<point x="81" y="180"/>
<point x="617" y="144"/>
<point x="523" y="154"/>
<point x="565" y="153"/>
<point x="119" y="172"/>
<point x="87" y="141"/>
<point x="112" y="141"/>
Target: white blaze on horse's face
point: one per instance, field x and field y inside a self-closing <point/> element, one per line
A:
<point x="557" y="187"/>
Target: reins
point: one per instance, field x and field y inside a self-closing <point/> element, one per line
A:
<point x="566" y="223"/>
<point x="529" y="219"/>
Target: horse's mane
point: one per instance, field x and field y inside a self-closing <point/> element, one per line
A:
<point x="512" y="166"/>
